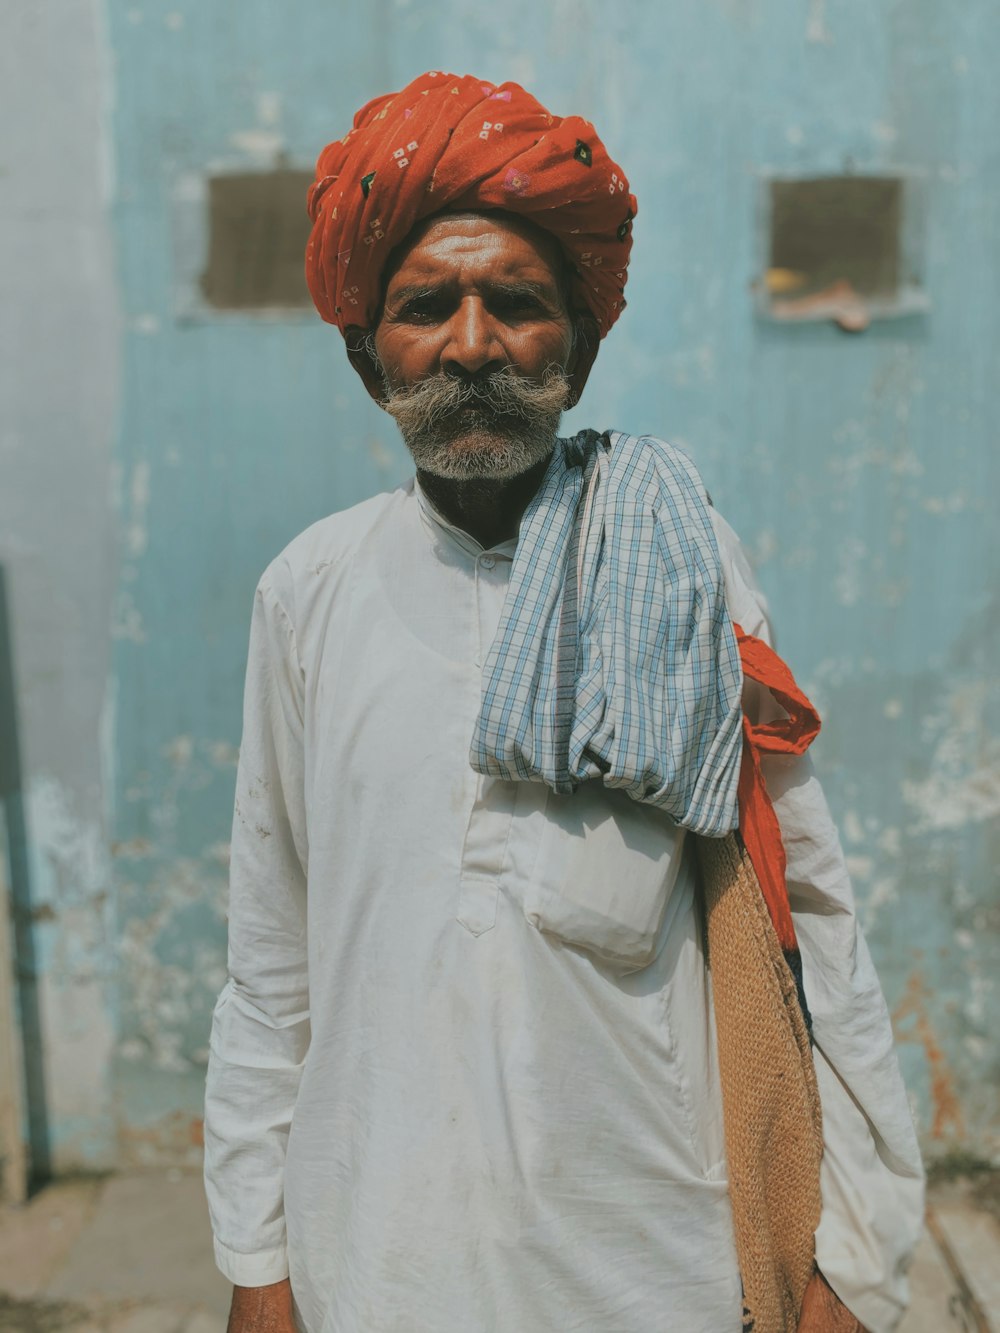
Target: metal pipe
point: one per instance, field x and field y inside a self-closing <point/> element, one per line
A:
<point x="25" y="960"/>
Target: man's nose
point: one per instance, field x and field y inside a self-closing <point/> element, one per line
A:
<point x="472" y="345"/>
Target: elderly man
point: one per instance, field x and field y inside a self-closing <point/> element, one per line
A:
<point x="480" y="1063"/>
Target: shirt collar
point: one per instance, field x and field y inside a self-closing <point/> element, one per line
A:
<point x="435" y="522"/>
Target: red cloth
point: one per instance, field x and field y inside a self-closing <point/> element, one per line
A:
<point x="455" y="142"/>
<point x="792" y="734"/>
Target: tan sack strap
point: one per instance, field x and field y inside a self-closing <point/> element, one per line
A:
<point x="770" y="1102"/>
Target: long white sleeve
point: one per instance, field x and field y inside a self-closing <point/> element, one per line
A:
<point x="872" y="1176"/>
<point x="260" y="1029"/>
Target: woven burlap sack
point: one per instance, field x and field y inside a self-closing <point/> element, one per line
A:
<point x="770" y="1102"/>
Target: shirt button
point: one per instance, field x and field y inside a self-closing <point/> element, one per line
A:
<point x="487" y="561"/>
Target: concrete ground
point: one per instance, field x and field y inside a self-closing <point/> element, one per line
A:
<point x="132" y="1254"/>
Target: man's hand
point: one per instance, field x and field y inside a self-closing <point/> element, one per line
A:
<point x="262" y="1309"/>
<point x="824" y="1312"/>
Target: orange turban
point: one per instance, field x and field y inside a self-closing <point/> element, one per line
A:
<point x="449" y="142"/>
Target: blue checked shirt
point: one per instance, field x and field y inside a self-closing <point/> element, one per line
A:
<point x="615" y="657"/>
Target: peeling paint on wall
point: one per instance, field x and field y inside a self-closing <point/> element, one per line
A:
<point x="962" y="786"/>
<point x="859" y="471"/>
<point x="912" y="1024"/>
<point x="74" y="929"/>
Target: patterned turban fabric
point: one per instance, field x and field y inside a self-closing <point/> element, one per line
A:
<point x="452" y="142"/>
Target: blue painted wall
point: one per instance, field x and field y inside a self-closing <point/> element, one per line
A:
<point x="861" y="470"/>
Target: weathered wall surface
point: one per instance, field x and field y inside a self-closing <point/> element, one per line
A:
<point x="861" y="471"/>
<point x="60" y="386"/>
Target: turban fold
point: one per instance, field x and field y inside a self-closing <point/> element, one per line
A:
<point x="456" y="143"/>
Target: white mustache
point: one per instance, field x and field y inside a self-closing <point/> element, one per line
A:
<point x="431" y="402"/>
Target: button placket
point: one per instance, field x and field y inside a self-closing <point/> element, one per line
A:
<point x="492" y="574"/>
<point x="491" y="815"/>
<point x="484" y="853"/>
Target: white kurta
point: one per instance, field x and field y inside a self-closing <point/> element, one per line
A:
<point x="435" y="1114"/>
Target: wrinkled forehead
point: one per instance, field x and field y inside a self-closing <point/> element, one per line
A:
<point x="546" y="252"/>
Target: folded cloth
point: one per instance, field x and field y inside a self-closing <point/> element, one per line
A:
<point x="615" y="658"/>
<point x="454" y="142"/>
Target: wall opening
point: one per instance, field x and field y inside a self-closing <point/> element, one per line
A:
<point x="841" y="247"/>
<point x="257" y="233"/>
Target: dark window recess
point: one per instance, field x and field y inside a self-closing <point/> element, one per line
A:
<point x="838" y="228"/>
<point x="258" y="228"/>
<point x="840" y="247"/>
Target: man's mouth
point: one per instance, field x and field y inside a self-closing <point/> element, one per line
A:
<point x="475" y="414"/>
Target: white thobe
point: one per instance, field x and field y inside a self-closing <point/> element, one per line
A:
<point x="423" y="1104"/>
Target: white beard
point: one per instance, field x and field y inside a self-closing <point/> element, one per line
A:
<point x="481" y="453"/>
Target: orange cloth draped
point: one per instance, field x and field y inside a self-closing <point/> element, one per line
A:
<point x="792" y="734"/>
<point x="452" y="142"/>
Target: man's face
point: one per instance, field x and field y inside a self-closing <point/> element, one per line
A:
<point x="475" y="344"/>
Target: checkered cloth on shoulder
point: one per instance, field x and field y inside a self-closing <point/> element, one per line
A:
<point x="615" y="658"/>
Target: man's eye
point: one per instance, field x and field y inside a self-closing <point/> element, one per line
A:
<point x="423" y="308"/>
<point x="516" y="303"/>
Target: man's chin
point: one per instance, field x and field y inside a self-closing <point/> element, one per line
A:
<point x="479" y="456"/>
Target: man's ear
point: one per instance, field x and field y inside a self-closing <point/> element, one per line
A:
<point x="361" y="354"/>
<point x="586" y="341"/>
